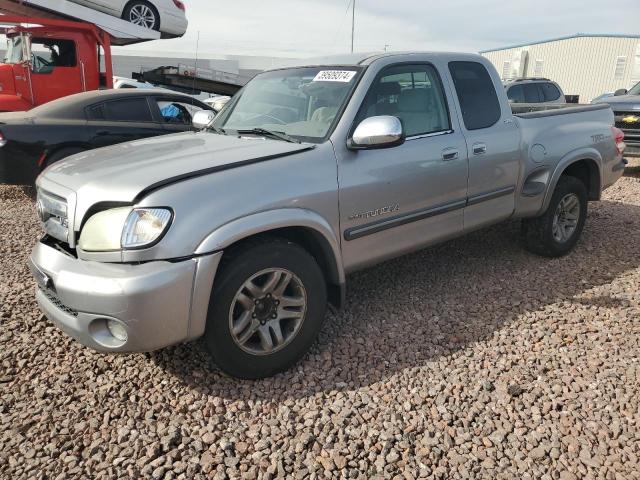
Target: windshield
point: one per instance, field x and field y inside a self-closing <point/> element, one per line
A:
<point x="14" y="50"/>
<point x="300" y="102"/>
<point x="635" y="90"/>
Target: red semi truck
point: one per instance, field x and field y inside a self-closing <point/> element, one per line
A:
<point x="48" y="59"/>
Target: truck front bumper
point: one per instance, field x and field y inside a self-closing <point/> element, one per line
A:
<point x="148" y="306"/>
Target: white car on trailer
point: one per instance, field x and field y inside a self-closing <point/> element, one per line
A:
<point x="166" y="16"/>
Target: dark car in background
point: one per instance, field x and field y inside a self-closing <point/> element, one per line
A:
<point x="626" y="108"/>
<point x="31" y="141"/>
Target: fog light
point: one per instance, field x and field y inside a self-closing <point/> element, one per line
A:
<point x="117" y="330"/>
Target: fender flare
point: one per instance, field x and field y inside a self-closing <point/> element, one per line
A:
<point x="269" y="220"/>
<point x="589" y="154"/>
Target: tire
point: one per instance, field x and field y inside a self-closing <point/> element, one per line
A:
<point x="142" y="13"/>
<point x="231" y="302"/>
<point x="61" y="154"/>
<point x="541" y="235"/>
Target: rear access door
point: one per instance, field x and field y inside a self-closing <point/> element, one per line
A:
<point x="398" y="199"/>
<point x="493" y="144"/>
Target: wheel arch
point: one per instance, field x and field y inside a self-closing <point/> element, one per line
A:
<point x="303" y="227"/>
<point x="583" y="164"/>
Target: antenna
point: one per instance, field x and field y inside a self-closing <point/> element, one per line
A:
<point x="353" y="23"/>
<point x="195" y="73"/>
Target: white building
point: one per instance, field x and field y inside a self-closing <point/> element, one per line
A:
<point x="582" y="64"/>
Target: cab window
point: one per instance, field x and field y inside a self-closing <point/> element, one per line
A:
<point x="414" y="94"/>
<point x="476" y="94"/>
<point x="49" y="53"/>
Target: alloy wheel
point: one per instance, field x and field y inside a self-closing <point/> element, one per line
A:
<point x="267" y="311"/>
<point x="565" y="218"/>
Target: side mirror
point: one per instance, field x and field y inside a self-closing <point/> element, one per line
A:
<point x="202" y="119"/>
<point x="377" y="132"/>
<point x="620" y="91"/>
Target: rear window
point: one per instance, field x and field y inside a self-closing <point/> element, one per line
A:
<point x="516" y="94"/>
<point x="531" y="94"/>
<point x="95" y="112"/>
<point x="128" y="110"/>
<point x="476" y="94"/>
<point x="550" y="92"/>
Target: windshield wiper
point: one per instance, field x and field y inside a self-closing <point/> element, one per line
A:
<point x="270" y="133"/>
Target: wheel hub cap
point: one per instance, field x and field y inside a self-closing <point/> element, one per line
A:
<point x="267" y="311"/>
<point x="565" y="218"/>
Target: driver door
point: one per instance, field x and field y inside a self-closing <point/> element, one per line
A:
<point x="55" y="69"/>
<point x="395" y="200"/>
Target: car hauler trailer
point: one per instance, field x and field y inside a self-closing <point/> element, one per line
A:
<point x="57" y="48"/>
<point x="120" y="31"/>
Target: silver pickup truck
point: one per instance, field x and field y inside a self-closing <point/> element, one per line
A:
<point x="244" y="232"/>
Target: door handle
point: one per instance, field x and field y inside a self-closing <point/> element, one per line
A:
<point x="449" y="154"/>
<point x="479" y="148"/>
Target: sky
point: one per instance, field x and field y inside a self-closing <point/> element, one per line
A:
<point x="306" y="28"/>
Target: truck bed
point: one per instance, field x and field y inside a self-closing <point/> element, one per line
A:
<point x="538" y="110"/>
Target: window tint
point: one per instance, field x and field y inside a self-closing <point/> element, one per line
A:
<point x="128" y="110"/>
<point x="95" y="112"/>
<point x="531" y="94"/>
<point x="550" y="92"/>
<point x="476" y="94"/>
<point x="516" y="94"/>
<point x="413" y="93"/>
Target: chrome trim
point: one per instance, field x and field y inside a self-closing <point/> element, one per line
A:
<point x="403" y="219"/>
<point x="427" y="135"/>
<point x="486" y="196"/>
<point x="82" y="76"/>
<point x="422" y="214"/>
<point x="53" y="212"/>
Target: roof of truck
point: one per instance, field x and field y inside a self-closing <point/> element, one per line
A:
<point x="365" y="58"/>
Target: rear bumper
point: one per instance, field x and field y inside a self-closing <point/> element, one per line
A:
<point x="173" y="24"/>
<point x="157" y="303"/>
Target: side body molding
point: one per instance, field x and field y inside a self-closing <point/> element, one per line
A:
<point x="589" y="154"/>
<point x="281" y="218"/>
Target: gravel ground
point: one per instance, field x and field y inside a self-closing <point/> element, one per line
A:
<point x="471" y="359"/>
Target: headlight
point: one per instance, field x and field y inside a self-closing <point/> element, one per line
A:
<point x="124" y="227"/>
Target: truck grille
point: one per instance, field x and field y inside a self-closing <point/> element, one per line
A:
<point x="629" y="123"/>
<point x="52" y="211"/>
<point x="56" y="301"/>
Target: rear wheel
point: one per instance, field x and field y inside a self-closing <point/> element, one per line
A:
<point x="557" y="231"/>
<point x="266" y="309"/>
<point x="143" y="14"/>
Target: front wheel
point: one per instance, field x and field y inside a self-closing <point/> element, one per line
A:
<point x="266" y="309"/>
<point x="557" y="231"/>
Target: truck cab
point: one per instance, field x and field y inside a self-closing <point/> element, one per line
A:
<point x="49" y="59"/>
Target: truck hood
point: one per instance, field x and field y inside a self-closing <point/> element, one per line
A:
<point x="623" y="102"/>
<point x="121" y="172"/>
